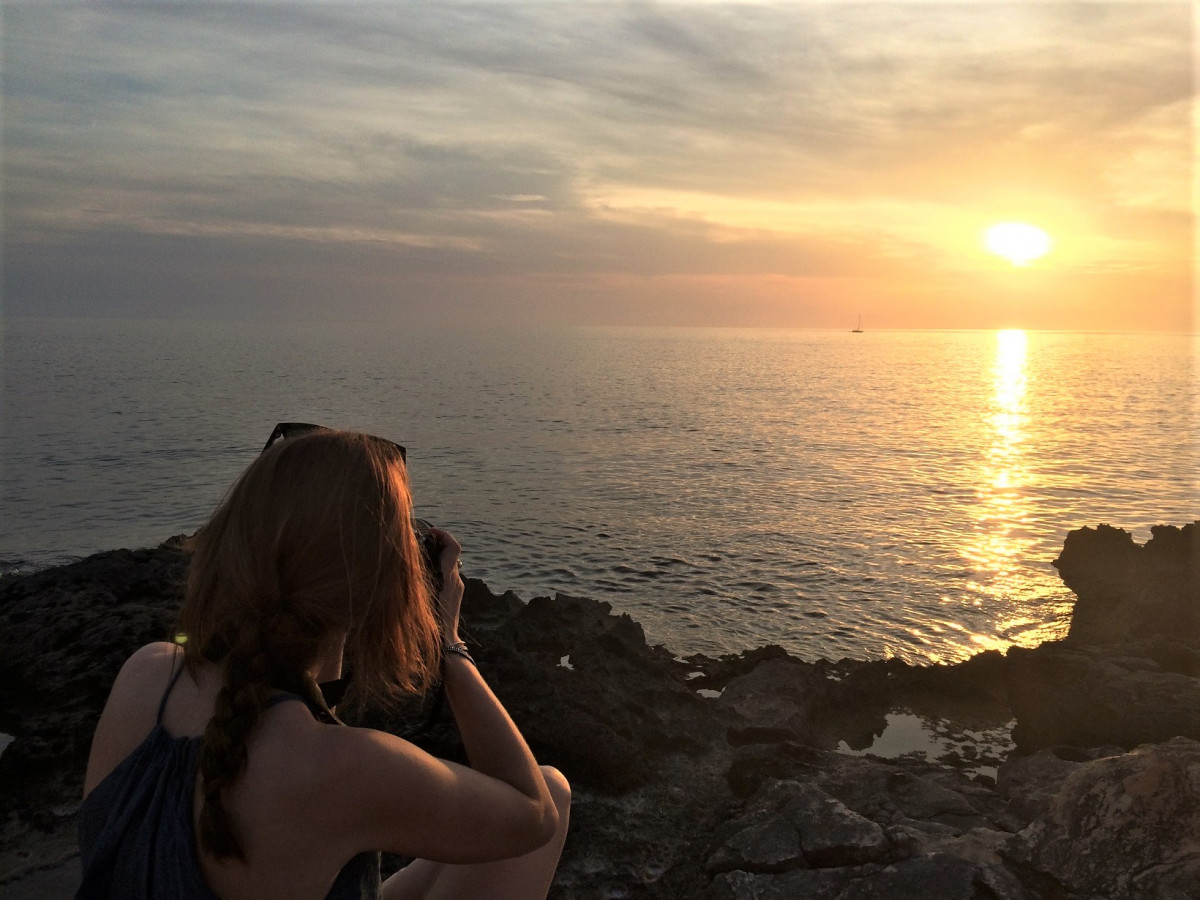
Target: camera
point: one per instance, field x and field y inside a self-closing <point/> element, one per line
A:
<point x="431" y="552"/>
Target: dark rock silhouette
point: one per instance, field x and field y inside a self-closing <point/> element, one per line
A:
<point x="1127" y="592"/>
<point x="1127" y="673"/>
<point x="765" y="791"/>
<point x="1087" y="698"/>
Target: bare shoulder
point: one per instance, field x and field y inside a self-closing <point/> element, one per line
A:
<point x="300" y="770"/>
<point x="331" y="761"/>
<point x="145" y="676"/>
<point x="151" y="657"/>
<point x="129" y="714"/>
<point x="333" y="774"/>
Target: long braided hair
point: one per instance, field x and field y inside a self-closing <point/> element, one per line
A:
<point x="312" y="545"/>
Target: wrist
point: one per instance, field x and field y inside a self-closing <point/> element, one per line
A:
<point x="457" y="648"/>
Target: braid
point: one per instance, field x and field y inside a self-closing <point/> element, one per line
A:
<point x="239" y="704"/>
<point x="272" y="655"/>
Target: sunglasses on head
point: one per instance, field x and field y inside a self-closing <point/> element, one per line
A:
<point x="285" y="430"/>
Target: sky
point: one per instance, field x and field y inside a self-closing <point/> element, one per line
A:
<point x="782" y="164"/>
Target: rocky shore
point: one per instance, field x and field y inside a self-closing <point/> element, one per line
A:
<point x="1069" y="770"/>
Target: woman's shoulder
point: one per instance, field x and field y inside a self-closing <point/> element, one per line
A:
<point x="151" y="658"/>
<point x="306" y="771"/>
<point x="132" y="707"/>
<point x="296" y="751"/>
<point x="327" y="764"/>
<point x="144" y="678"/>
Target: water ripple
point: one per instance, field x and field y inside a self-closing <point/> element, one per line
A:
<point x="898" y="495"/>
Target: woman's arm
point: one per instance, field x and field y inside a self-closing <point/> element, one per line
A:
<point x="395" y="797"/>
<point x="494" y="745"/>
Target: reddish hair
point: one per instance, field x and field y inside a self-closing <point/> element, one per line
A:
<point x="314" y="541"/>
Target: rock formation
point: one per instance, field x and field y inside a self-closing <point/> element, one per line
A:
<point x="1123" y="826"/>
<point x="1127" y="592"/>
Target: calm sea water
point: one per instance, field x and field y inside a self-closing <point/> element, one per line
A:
<point x="840" y="494"/>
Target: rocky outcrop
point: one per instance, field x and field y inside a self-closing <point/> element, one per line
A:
<point x="1126" y="592"/>
<point x="1030" y="782"/>
<point x="853" y="827"/>
<point x="1128" y="672"/>
<point x="750" y="776"/>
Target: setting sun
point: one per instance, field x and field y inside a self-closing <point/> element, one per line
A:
<point x="1017" y="242"/>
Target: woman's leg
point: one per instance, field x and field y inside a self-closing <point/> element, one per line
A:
<point x="525" y="877"/>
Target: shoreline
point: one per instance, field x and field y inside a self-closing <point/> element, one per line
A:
<point x="691" y="773"/>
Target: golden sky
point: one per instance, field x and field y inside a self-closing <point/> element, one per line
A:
<point x="686" y="163"/>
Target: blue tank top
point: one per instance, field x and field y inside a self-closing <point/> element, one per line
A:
<point x="136" y="840"/>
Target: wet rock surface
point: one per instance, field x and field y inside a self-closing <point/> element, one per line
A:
<point x="784" y="779"/>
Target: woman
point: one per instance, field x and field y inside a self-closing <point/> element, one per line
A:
<point x="218" y="771"/>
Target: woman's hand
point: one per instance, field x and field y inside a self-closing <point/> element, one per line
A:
<point x="450" y="599"/>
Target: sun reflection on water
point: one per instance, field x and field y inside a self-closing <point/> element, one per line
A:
<point x="1002" y="537"/>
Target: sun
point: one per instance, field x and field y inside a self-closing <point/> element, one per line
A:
<point x="1018" y="242"/>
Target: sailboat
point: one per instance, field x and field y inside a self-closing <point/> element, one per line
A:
<point x="858" y="330"/>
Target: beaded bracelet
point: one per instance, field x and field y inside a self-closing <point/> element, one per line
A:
<point x="460" y="649"/>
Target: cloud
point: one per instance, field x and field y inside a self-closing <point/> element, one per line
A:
<point x="535" y="141"/>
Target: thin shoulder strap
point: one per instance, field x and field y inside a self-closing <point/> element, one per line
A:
<point x="167" y="693"/>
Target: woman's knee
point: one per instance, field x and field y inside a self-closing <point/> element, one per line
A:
<point x="560" y="789"/>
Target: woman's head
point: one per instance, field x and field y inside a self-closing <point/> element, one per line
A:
<point x="313" y="546"/>
<point x="313" y="542"/>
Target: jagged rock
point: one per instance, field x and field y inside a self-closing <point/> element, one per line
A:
<point x="830" y="833"/>
<point x="979" y="845"/>
<point x="64" y="634"/>
<point x="769" y="844"/>
<point x="1029" y="783"/>
<point x="890" y="795"/>
<point x="482" y="610"/>
<point x="753" y="764"/>
<point x="798" y="825"/>
<point x="981" y="676"/>
<point x="1128" y="592"/>
<point x="563" y="623"/>
<point x="1169" y="654"/>
<point x="937" y="876"/>
<point x="1123" y="827"/>
<point x="714" y="674"/>
<point x="1086" y="698"/>
<point x="772" y="703"/>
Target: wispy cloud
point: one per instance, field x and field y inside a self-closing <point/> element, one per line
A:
<point x="530" y="141"/>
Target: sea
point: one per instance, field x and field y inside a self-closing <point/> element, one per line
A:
<point x="871" y="495"/>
